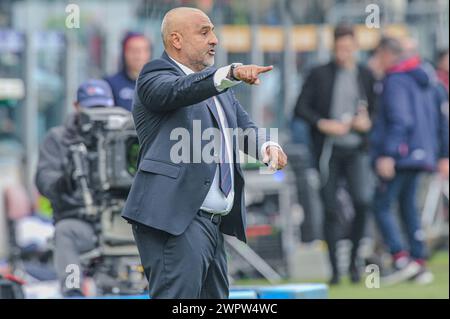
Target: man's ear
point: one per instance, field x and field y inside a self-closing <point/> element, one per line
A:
<point x="176" y="39"/>
<point x="77" y="106"/>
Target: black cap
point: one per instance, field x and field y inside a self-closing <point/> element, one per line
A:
<point x="94" y="93"/>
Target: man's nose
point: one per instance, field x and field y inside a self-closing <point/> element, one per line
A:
<point x="214" y="40"/>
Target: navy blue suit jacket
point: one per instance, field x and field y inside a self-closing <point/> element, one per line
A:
<point x="167" y="195"/>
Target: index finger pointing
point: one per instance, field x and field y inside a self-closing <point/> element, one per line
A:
<point x="264" y="69"/>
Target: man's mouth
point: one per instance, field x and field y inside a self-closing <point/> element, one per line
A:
<point x="212" y="52"/>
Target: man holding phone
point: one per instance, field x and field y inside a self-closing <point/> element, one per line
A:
<point x="337" y="100"/>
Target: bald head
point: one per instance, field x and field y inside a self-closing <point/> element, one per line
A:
<point x="178" y="19"/>
<point x="188" y="37"/>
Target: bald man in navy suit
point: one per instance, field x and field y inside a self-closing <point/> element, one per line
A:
<point x="179" y="210"/>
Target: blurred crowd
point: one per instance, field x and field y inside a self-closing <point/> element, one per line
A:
<point x="387" y="120"/>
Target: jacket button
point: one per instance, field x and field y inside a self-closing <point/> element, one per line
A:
<point x="207" y="182"/>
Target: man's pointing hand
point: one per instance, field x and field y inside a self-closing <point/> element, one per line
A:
<point x="250" y="73"/>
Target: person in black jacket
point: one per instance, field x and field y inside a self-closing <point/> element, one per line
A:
<point x="74" y="234"/>
<point x="337" y="100"/>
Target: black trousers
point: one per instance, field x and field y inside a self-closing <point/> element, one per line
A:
<point x="191" y="265"/>
<point x="354" y="167"/>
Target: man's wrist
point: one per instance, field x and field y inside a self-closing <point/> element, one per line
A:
<point x="222" y="80"/>
<point x="231" y="75"/>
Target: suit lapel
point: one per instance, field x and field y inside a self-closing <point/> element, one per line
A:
<point x="225" y="102"/>
<point x="212" y="108"/>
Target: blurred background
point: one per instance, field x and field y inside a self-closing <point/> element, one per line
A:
<point x="42" y="62"/>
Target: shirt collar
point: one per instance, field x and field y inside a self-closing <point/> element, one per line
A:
<point x="184" y="68"/>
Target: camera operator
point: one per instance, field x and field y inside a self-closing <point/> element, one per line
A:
<point x="58" y="180"/>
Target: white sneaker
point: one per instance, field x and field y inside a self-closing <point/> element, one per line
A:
<point x="410" y="270"/>
<point x="424" y="277"/>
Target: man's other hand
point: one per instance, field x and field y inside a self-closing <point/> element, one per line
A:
<point x="275" y="158"/>
<point x="361" y="122"/>
<point x="250" y="73"/>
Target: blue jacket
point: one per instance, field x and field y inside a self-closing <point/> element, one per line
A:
<point x="122" y="88"/>
<point x="410" y="125"/>
<point x="167" y="195"/>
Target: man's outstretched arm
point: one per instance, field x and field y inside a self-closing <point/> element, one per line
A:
<point x="160" y="89"/>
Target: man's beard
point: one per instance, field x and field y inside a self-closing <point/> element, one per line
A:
<point x="205" y="62"/>
<point x="209" y="62"/>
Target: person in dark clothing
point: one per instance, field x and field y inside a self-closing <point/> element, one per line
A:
<point x="55" y="180"/>
<point x="136" y="51"/>
<point x="337" y="100"/>
<point x="410" y="136"/>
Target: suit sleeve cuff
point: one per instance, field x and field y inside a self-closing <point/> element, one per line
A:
<point x="221" y="81"/>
